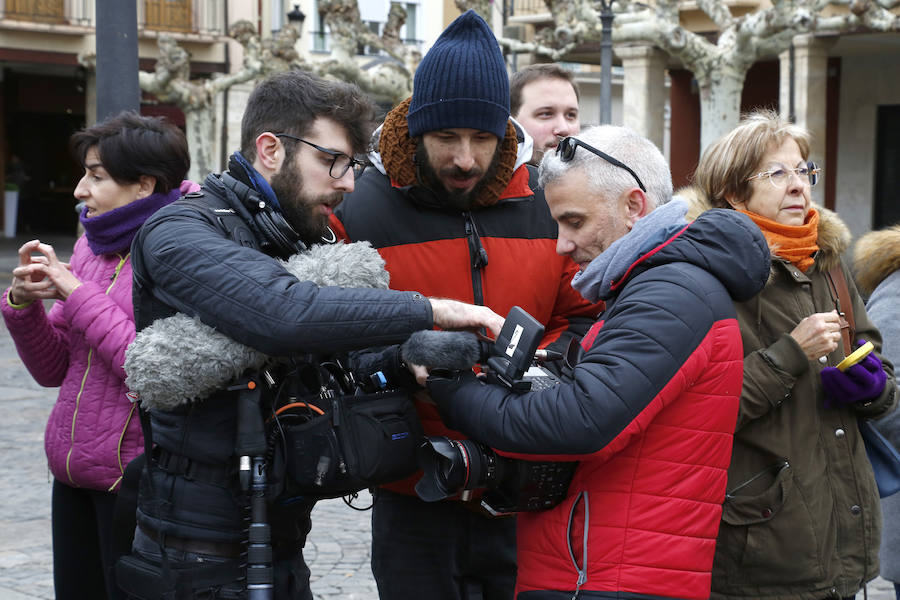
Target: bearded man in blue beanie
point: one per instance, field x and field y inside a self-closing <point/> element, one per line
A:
<point x="450" y="206"/>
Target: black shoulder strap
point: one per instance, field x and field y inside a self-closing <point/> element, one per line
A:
<point x="232" y="224"/>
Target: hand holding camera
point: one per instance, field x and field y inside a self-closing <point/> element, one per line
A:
<point x="460" y="466"/>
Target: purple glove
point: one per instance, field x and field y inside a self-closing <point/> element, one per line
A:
<point x="863" y="381"/>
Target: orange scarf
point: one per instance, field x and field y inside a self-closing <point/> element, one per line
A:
<point x="794" y="243"/>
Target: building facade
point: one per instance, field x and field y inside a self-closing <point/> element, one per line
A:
<point x="47" y="92"/>
<point x="843" y="89"/>
<point x="839" y="86"/>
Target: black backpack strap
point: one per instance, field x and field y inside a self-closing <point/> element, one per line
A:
<point x="232" y="222"/>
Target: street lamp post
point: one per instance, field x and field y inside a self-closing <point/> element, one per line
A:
<point x="117" y="58"/>
<point x="606" y="20"/>
<point x="296" y="19"/>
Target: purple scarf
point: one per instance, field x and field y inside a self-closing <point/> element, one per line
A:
<point x="113" y="231"/>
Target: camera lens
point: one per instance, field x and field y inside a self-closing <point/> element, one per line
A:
<point x="445" y="469"/>
<point x="451" y="466"/>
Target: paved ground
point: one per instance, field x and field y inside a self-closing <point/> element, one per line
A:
<point x="337" y="550"/>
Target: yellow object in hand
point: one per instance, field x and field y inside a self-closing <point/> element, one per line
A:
<point x="856" y="356"/>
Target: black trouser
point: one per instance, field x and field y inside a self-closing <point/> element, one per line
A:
<point x="83" y="555"/>
<point x="290" y="570"/>
<point x="440" y="551"/>
<point x="290" y="525"/>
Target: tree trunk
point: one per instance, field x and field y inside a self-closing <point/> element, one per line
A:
<point x="200" y="123"/>
<point x="720" y="105"/>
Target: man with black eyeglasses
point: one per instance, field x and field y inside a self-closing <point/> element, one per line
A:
<point x="213" y="255"/>
<point x="450" y="207"/>
<point x="651" y="406"/>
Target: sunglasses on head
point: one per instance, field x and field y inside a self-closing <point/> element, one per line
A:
<point x="566" y="151"/>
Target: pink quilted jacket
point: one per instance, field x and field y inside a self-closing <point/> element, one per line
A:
<point x="94" y="430"/>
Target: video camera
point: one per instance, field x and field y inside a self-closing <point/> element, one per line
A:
<point x="460" y="466"/>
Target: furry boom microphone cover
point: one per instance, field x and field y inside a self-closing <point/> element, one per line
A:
<point x="178" y="359"/>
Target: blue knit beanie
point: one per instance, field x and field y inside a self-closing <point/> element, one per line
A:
<point x="461" y="82"/>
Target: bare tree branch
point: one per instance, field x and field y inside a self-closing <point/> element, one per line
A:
<point x="720" y="63"/>
<point x="385" y="77"/>
<point x="718" y="12"/>
<point x="870" y="14"/>
<point x="552" y="53"/>
<point x="482" y="7"/>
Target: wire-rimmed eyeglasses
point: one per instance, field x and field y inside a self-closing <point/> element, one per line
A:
<point x="566" y="150"/>
<point x="779" y="175"/>
<point x="340" y="162"/>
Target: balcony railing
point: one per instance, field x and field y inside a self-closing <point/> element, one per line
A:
<point x="187" y="16"/>
<point x="203" y="17"/>
<point x="37" y="11"/>
<point x="526" y="7"/>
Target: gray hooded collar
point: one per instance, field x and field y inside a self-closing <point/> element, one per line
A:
<point x="596" y="281"/>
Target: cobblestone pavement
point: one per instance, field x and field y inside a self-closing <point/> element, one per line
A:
<point x="337" y="549"/>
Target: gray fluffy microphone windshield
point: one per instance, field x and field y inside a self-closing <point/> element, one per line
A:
<point x="453" y="350"/>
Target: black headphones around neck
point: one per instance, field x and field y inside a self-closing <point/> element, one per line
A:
<point x="276" y="232"/>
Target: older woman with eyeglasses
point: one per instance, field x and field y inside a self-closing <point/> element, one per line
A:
<point x="801" y="516"/>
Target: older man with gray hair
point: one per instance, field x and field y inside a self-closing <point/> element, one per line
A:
<point x="651" y="407"/>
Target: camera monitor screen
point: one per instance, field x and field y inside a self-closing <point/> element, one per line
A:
<point x="514" y="348"/>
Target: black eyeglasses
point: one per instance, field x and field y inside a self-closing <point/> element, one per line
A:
<point x="340" y="162"/>
<point x="566" y="150"/>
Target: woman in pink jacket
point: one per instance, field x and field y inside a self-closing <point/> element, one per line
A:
<point x="132" y="167"/>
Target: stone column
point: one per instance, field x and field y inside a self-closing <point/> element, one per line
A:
<point x="90" y="98"/>
<point x="644" y="92"/>
<point x="810" y="87"/>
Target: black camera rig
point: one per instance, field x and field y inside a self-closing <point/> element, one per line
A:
<point x="459" y="466"/>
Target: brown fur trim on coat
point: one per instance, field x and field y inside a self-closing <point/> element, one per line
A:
<point x="834" y="237"/>
<point x="398" y="150"/>
<point x="875" y="256"/>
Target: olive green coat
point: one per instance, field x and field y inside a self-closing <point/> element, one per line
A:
<point x="801" y="517"/>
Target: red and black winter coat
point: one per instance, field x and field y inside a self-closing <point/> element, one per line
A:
<point x="650" y="414"/>
<point x="501" y="255"/>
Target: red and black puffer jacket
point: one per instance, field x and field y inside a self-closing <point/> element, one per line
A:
<point x="649" y="414"/>
<point x="501" y="253"/>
